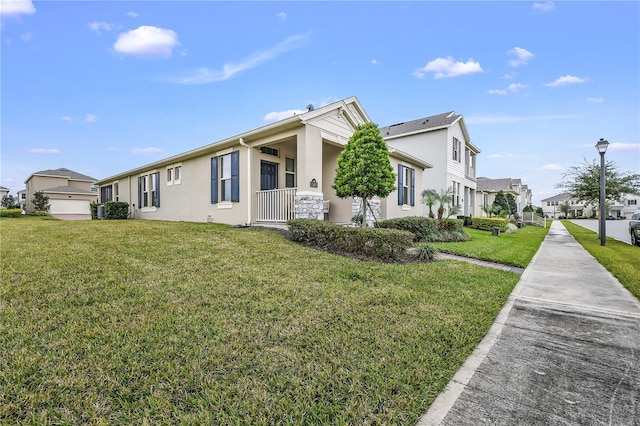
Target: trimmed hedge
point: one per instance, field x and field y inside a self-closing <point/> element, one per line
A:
<point x="487" y="223"/>
<point x="116" y="210"/>
<point x="428" y="229"/>
<point x="374" y="242"/>
<point x="10" y="212"/>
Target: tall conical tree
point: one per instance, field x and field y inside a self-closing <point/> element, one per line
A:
<point x="364" y="169"/>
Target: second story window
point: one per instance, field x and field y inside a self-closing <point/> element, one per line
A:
<point x="457" y="150"/>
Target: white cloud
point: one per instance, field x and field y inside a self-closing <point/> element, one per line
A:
<point x="66" y="118"/>
<point x="544" y="7"/>
<point x="552" y="166"/>
<point x="26" y="37"/>
<point x="147" y="42"/>
<point x="497" y="92"/>
<point x="90" y="118"/>
<point x="281" y="16"/>
<point x="446" y="67"/>
<point x="512" y="88"/>
<point x="16" y="7"/>
<point x="133" y="14"/>
<point x="150" y="150"/>
<point x="508" y="76"/>
<point x="564" y="80"/>
<point x="375" y="62"/>
<point x="280" y="115"/>
<point x="100" y="26"/>
<point x="620" y="146"/>
<point x="205" y="75"/>
<point x="44" y="150"/>
<point x="522" y="56"/>
<point x="595" y="100"/>
<point x="501" y="156"/>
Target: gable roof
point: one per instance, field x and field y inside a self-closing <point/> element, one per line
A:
<point x="2" y="188"/>
<point x="64" y="173"/>
<point x="428" y="124"/>
<point x="494" y="185"/>
<point x="560" y="197"/>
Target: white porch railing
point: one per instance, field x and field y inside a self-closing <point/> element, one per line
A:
<point x="276" y="205"/>
<point x="530" y="218"/>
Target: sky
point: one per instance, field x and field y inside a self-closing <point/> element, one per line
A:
<point x="104" y="87"/>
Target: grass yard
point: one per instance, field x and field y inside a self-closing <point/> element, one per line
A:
<point x="515" y="249"/>
<point x="621" y="259"/>
<point x="143" y="322"/>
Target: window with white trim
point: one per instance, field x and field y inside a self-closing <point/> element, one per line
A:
<point x="455" y="198"/>
<point x="406" y="185"/>
<point x="290" y="172"/>
<point x="457" y="150"/>
<point x="225" y="178"/>
<point x="170" y="176"/>
<point x="174" y="174"/>
<point x="149" y="190"/>
<point x="116" y="191"/>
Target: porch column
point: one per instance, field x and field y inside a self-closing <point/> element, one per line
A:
<point x="309" y="202"/>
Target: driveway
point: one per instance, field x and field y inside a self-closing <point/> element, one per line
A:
<point x="618" y="229"/>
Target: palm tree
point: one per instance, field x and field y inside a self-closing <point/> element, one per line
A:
<point x="429" y="198"/>
<point x="444" y="197"/>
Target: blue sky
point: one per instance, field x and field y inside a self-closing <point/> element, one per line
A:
<point x="103" y="87"/>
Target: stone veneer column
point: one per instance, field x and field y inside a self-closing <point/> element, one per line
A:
<point x="309" y="205"/>
<point x="374" y="205"/>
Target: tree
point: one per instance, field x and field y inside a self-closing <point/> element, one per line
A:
<point x="429" y="198"/>
<point x="583" y="182"/>
<point x="528" y="208"/>
<point x="444" y="197"/>
<point x="9" y="202"/>
<point x="501" y="203"/>
<point x="40" y="202"/>
<point x="513" y="206"/>
<point x="539" y="212"/>
<point x="364" y="169"/>
<point x="564" y="208"/>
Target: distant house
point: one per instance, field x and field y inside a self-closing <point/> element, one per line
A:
<point x="524" y="197"/>
<point x="70" y="193"/>
<point x="551" y="207"/>
<point x="442" y="140"/>
<point x="271" y="174"/>
<point x="3" y="191"/>
<point x="22" y="198"/>
<point x="487" y="189"/>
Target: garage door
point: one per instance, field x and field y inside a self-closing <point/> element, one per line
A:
<point x="69" y="207"/>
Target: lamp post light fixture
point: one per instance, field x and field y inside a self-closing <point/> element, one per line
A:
<point x="601" y="146"/>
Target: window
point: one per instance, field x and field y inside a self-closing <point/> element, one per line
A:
<point x="290" y="173"/>
<point x="270" y="151"/>
<point x="177" y="175"/>
<point x="485" y="199"/>
<point x="225" y="178"/>
<point x="455" y="199"/>
<point x="548" y="203"/>
<point x="170" y="176"/>
<point x="406" y="185"/>
<point x="106" y="193"/>
<point x="457" y="150"/>
<point x="174" y="175"/>
<point x="632" y="202"/>
<point x="23" y="196"/>
<point x="149" y="190"/>
<point x="116" y="191"/>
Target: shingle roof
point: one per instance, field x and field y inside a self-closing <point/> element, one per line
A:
<point x="3" y="188"/>
<point x="63" y="172"/>
<point x="560" y="197"/>
<point x="68" y="190"/>
<point x="493" y="185"/>
<point x="421" y="124"/>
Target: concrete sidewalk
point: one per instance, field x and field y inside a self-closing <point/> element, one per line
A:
<point x="565" y="350"/>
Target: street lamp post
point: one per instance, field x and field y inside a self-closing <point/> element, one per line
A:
<point x="601" y="146"/>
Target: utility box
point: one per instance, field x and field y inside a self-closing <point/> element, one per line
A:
<point x="495" y="231"/>
<point x="100" y="212"/>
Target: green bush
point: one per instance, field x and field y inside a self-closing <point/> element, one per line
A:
<point x="428" y="229"/>
<point x="116" y="210"/>
<point x="487" y="223"/>
<point x="10" y="212"/>
<point x="40" y="213"/>
<point x="374" y="242"/>
<point x="94" y="210"/>
<point x="426" y="253"/>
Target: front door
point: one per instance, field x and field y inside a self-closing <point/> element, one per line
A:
<point x="268" y="175"/>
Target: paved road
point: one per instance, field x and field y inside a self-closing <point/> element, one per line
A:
<point x="618" y="229"/>
<point x="565" y="350"/>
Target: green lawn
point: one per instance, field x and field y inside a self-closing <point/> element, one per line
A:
<point x="621" y="259"/>
<point x="515" y="249"/>
<point x="142" y="322"/>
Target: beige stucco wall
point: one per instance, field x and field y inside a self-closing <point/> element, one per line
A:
<point x="390" y="208"/>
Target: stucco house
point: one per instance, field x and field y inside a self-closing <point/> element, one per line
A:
<point x="3" y="191"/>
<point x="271" y="174"/>
<point x="22" y="198"/>
<point x="444" y="141"/>
<point x="70" y="193"/>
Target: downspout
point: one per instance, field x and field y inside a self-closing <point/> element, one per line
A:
<point x="248" y="180"/>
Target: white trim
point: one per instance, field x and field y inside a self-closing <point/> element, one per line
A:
<point x="148" y="209"/>
<point x="319" y="194"/>
<point x="225" y="205"/>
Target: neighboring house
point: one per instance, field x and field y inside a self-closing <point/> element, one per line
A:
<point x="22" y="198"/>
<point x="3" y="191"/>
<point x="444" y="141"/>
<point x="70" y="193"/>
<point x="524" y="197"/>
<point x="628" y="205"/>
<point x="271" y="174"/>
<point x="487" y="189"/>
<point x="551" y="207"/>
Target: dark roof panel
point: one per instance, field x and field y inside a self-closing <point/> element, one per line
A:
<point x="422" y="124"/>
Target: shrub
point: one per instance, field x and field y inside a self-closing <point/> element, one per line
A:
<point x="10" y="212"/>
<point x="374" y="242"/>
<point x="94" y="210"/>
<point x="428" y="229"/>
<point x="116" y="210"/>
<point x="40" y="213"/>
<point x="487" y="223"/>
<point x="426" y="253"/>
